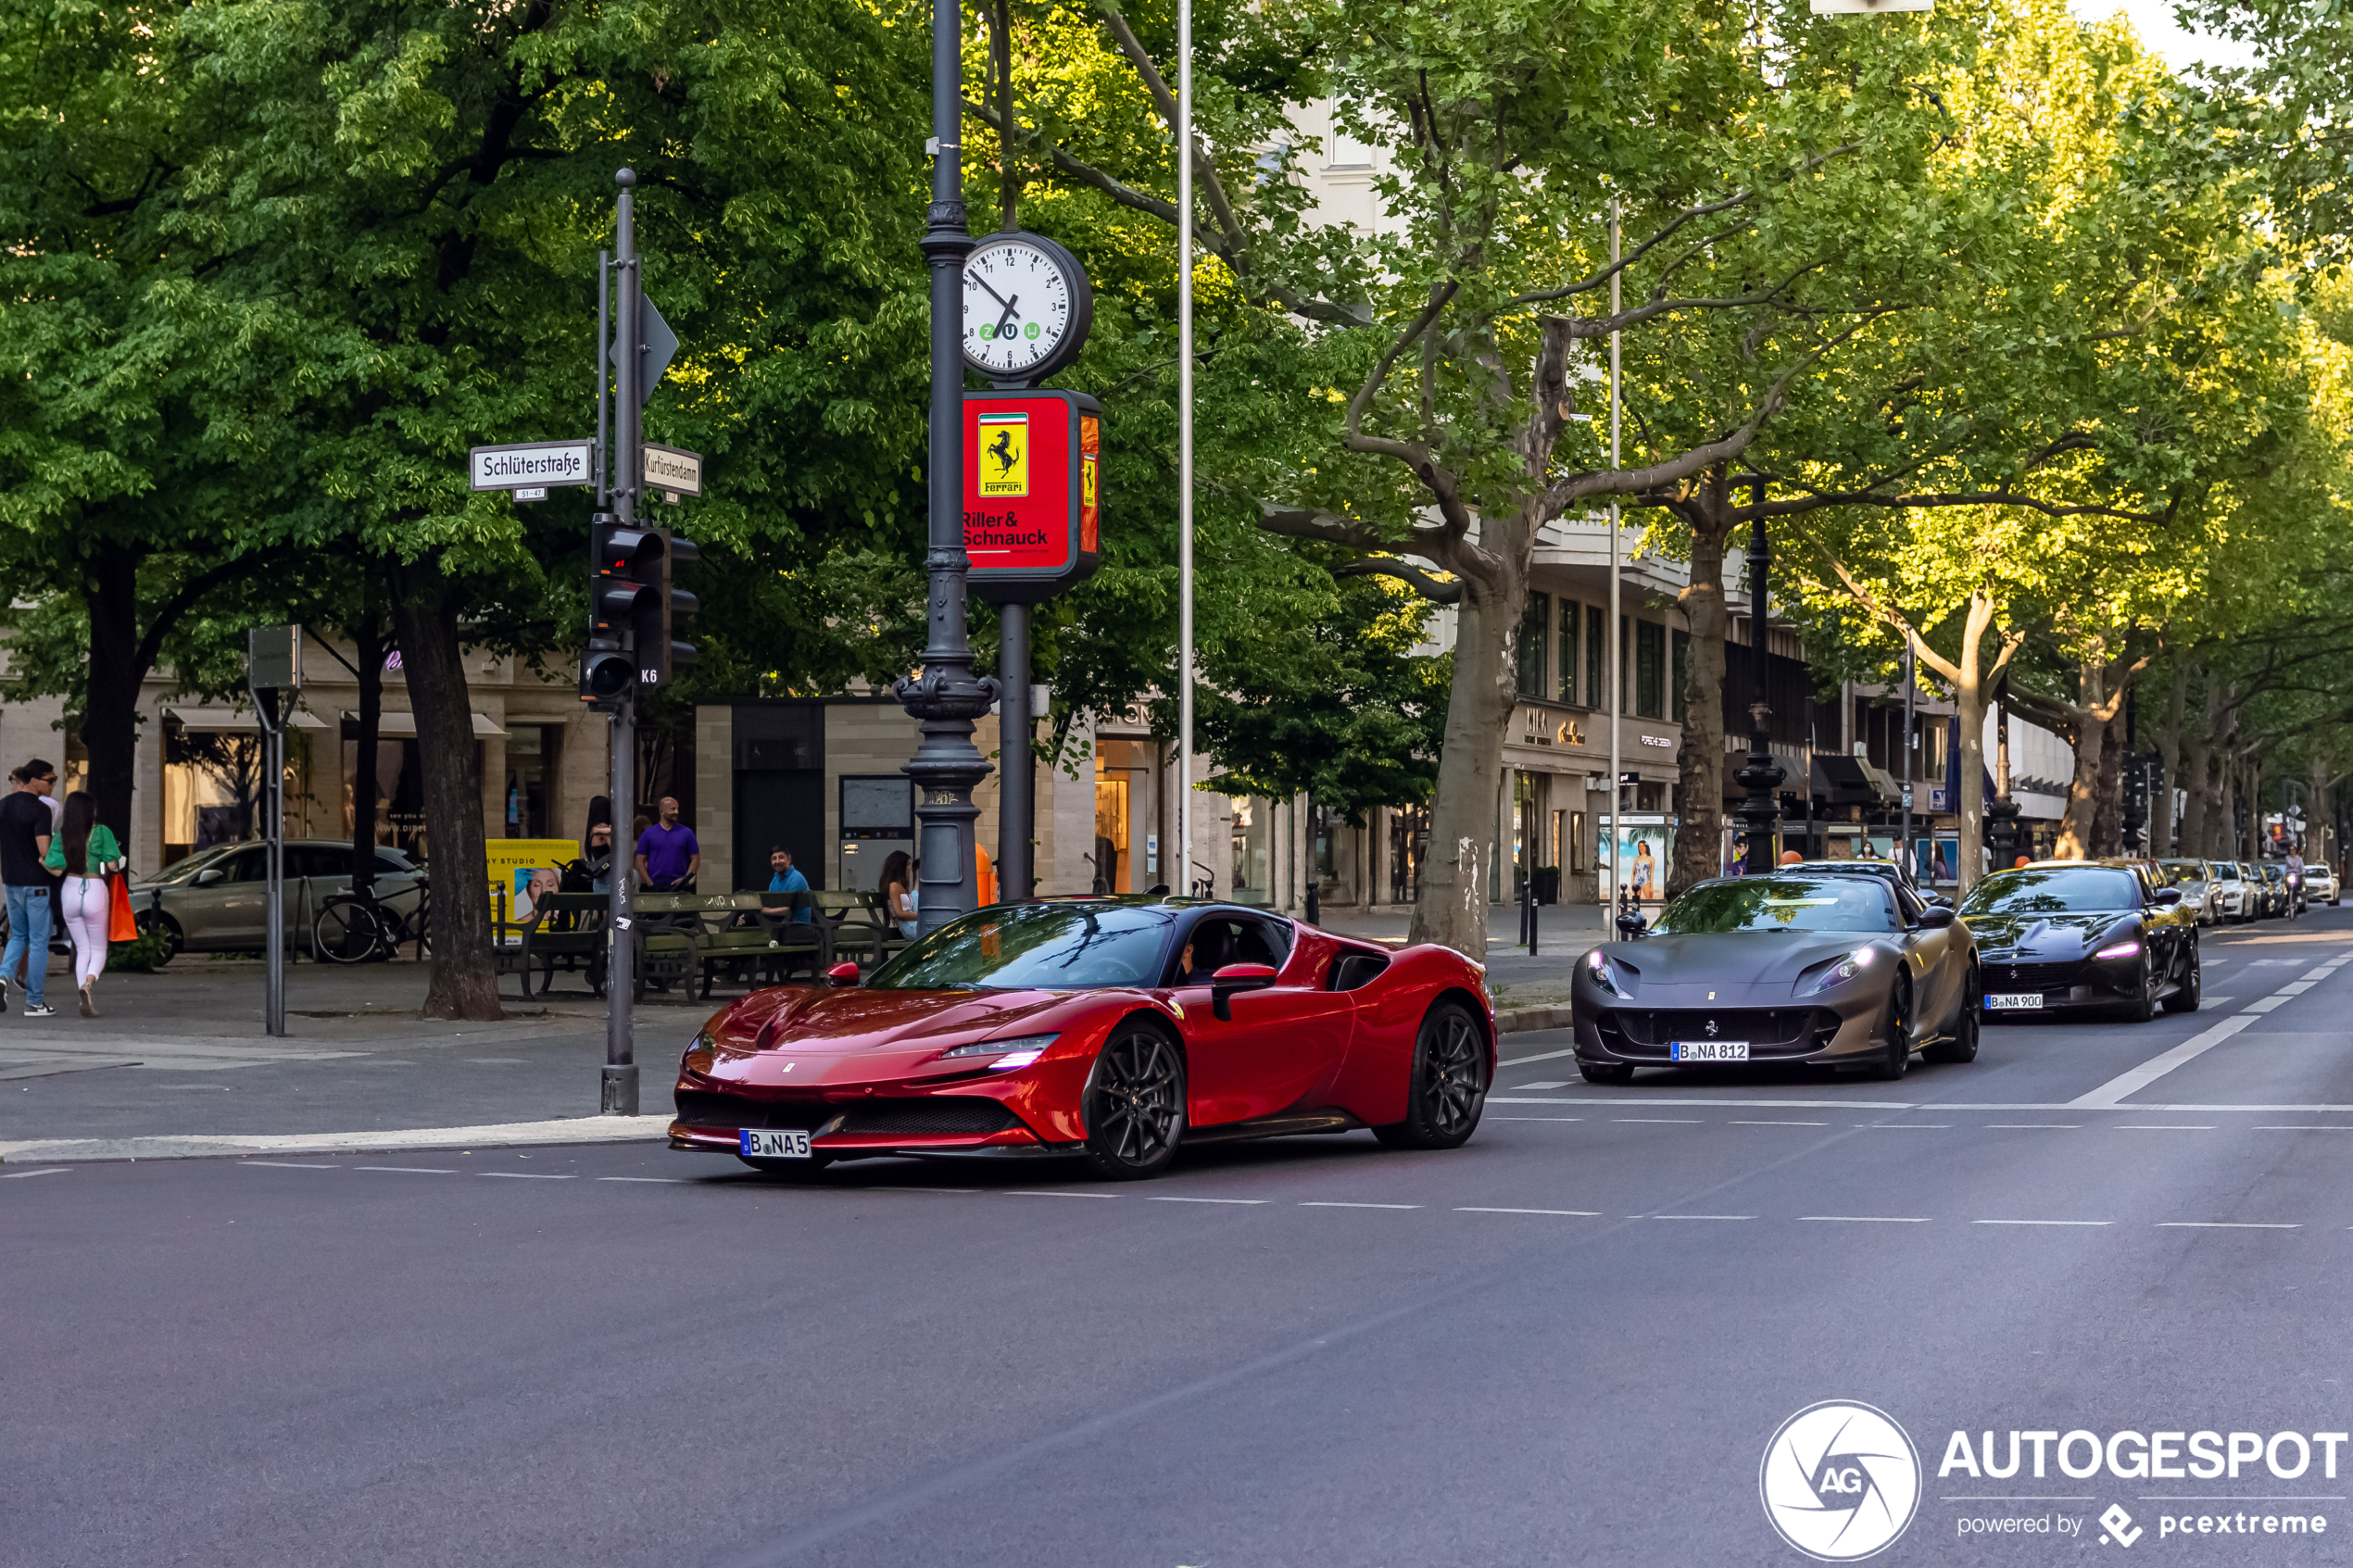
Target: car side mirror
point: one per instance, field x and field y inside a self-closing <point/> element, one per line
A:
<point x="207" y="878"/>
<point x="2168" y="897"/>
<point x="1236" y="977"/>
<point x="1937" y="917"/>
<point x="843" y="973"/>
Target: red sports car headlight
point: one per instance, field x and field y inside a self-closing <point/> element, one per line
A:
<point x="700" y="1054"/>
<point x="1017" y="1050"/>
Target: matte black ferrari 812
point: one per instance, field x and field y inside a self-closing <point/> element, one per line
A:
<point x="2072" y="935"/>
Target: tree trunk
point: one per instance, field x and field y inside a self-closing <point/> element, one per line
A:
<point x="2169" y="752"/>
<point x="2197" y="754"/>
<point x="465" y="978"/>
<point x="1969" y="701"/>
<point x="1452" y="907"/>
<point x="111" y="693"/>
<point x="1699" y="764"/>
<point x="2076" y="829"/>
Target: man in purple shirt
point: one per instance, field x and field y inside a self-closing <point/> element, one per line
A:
<point x="668" y="856"/>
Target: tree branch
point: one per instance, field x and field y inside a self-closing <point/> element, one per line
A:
<point x="1404" y="572"/>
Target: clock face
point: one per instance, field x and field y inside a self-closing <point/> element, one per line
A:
<point x="1018" y="307"/>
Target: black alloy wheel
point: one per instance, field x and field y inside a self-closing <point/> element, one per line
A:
<point x="155" y="920"/>
<point x="1898" y="1059"/>
<point x="1618" y="1072"/>
<point x="2189" y="988"/>
<point x="1134" y="1104"/>
<point x="1449" y="1088"/>
<point x="2142" y="1005"/>
<point x="1962" y="1045"/>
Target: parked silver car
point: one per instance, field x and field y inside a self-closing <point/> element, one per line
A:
<point x="213" y="902"/>
<point x="2319" y="882"/>
<point x="2201" y="887"/>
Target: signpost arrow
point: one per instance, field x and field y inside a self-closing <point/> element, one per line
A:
<point x="660" y="346"/>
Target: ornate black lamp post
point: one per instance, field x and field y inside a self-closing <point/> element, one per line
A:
<point x="1760" y="814"/>
<point x="2001" y="814"/>
<point x="946" y="697"/>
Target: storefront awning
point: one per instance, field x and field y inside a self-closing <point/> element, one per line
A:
<point x="405" y="723"/>
<point x="232" y="719"/>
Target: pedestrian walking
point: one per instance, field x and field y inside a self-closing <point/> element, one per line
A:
<point x="668" y="856"/>
<point x="25" y="831"/>
<point x="86" y="853"/>
<point x="899" y="891"/>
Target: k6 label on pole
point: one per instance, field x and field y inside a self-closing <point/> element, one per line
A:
<point x="1033" y="492"/>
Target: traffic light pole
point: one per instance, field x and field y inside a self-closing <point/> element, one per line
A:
<point x="946" y="697"/>
<point x="626" y="475"/>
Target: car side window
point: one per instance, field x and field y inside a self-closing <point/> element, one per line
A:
<point x="1907" y="905"/>
<point x="249" y="865"/>
<point x="1261" y="941"/>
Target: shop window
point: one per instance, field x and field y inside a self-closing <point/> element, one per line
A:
<point x="1253" y="827"/>
<point x="1112" y="870"/>
<point x="1593" y="651"/>
<point x="1568" y="650"/>
<point x="1650" y="669"/>
<point x="1535" y="647"/>
<point x="1408" y="844"/>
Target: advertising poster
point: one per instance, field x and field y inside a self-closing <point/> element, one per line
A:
<point x="1645" y="846"/>
<point x="523" y="869"/>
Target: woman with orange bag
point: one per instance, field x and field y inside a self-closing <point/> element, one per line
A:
<point x="86" y="852"/>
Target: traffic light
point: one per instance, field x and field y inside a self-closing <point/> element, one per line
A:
<point x="631" y="609"/>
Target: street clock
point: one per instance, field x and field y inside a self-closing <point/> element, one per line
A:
<point x="1028" y="306"/>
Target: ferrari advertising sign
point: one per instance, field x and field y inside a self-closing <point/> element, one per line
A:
<point x="1032" y="493"/>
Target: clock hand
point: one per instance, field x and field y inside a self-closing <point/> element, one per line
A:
<point x="993" y="293"/>
<point x="1005" y="322"/>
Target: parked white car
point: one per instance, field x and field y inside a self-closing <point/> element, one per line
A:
<point x="2238" y="896"/>
<point x="2200" y="891"/>
<point x="2319" y="882"/>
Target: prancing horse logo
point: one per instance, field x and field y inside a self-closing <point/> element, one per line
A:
<point x="1711" y="1029"/>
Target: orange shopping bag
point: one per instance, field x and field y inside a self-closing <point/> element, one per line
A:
<point x="124" y="926"/>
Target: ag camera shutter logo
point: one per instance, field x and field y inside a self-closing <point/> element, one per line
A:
<point x="1841" y="1481"/>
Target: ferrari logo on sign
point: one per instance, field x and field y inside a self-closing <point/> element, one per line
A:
<point x="1004" y="453"/>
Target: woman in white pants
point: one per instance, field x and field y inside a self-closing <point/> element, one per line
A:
<point x="86" y="852"/>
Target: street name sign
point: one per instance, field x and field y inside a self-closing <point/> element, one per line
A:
<point x="674" y="471"/>
<point x="533" y="465"/>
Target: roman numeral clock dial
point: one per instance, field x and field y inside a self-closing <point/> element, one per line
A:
<point x="1027" y="307"/>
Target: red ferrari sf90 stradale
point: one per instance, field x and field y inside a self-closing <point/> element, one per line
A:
<point x="1113" y="1030"/>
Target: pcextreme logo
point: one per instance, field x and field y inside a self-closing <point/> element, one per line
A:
<point x="1841" y="1481"/>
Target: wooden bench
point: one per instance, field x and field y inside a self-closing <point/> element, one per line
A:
<point x="571" y="932"/>
<point x="752" y="938"/>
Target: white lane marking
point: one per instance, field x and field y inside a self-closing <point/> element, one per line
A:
<point x="1157" y="1198"/>
<point x="1739" y="1123"/>
<point x="1535" y="1118"/>
<point x="2294" y="989"/>
<point x="2041" y="1221"/>
<point x="2114" y="1091"/>
<point x="1941" y="1126"/>
<point x="2163" y="1127"/>
<point x="2266" y="1005"/>
<point x="2320" y="973"/>
<point x="406" y="1170"/>
<point x="1660" y="1121"/>
<point x="862" y="1189"/>
<point x="2211" y="1000"/>
<point x="1749" y="1104"/>
<point x="1576" y="1213"/>
<point x="1330" y="1204"/>
<point x="1530" y="1088"/>
<point x="2021" y="1126"/>
<point x="524" y="1175"/>
<point x="1691" y="1216"/>
<point x="288" y="1165"/>
<point x="1868" y="1218"/>
<point x="1540" y="1055"/>
<point x="2220" y="1225"/>
<point x="671" y="1181"/>
<point x="2323" y="1128"/>
<point x="45" y="1170"/>
<point x="1024" y="1192"/>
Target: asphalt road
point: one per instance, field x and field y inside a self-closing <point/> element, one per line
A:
<point x="1567" y="1343"/>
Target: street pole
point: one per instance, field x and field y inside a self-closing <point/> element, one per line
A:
<point x="619" y="1090"/>
<point x="946" y="697"/>
<point x="1609" y="632"/>
<point x="1761" y="812"/>
<point x="1910" y="860"/>
<point x="1183" y="881"/>
<point x="1015" y="762"/>
<point x="273" y="761"/>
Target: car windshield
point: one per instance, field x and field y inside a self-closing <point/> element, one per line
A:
<point x="2054" y="890"/>
<point x="2178" y="871"/>
<point x="186" y="868"/>
<point x="1053" y="946"/>
<point x="1780" y="903"/>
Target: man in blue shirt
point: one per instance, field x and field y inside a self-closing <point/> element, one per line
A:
<point x="668" y="856"/>
<point x="783" y="879"/>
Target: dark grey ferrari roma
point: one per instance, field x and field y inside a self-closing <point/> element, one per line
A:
<point x="1824" y="968"/>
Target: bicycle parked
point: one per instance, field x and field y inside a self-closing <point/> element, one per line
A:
<point x="359" y="928"/>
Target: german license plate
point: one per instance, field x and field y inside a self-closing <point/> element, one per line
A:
<point x="1710" y="1050"/>
<point x="2012" y="1002"/>
<point x="761" y="1144"/>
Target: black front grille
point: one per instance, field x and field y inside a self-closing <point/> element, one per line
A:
<point x="2031" y="977"/>
<point x="931" y="1116"/>
<point x="1652" y="1032"/>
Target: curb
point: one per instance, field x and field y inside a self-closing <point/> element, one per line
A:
<point x="509" y="1134"/>
<point x="1518" y="1020"/>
